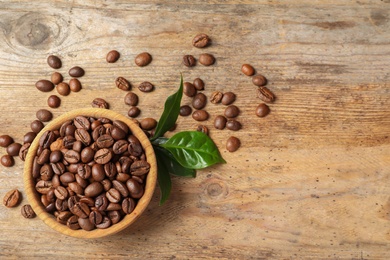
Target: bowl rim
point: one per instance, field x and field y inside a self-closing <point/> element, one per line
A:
<point x="49" y="219"/>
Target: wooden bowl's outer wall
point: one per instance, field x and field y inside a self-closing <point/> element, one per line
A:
<point x="49" y="219"/>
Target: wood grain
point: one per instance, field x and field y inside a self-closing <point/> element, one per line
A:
<point x="310" y="180"/>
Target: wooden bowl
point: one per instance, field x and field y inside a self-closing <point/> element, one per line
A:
<point x="49" y="219"/>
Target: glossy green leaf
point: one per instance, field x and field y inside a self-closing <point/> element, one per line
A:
<point x="163" y="177"/>
<point x="159" y="141"/>
<point x="193" y="149"/>
<point x="170" y="113"/>
<point x="172" y="165"/>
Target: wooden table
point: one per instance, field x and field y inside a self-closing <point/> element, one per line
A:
<point x="311" y="180"/>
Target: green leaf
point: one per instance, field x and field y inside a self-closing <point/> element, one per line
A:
<point x="172" y="165"/>
<point x="159" y="141"/>
<point x="170" y="113"/>
<point x="163" y="178"/>
<point x="193" y="149"/>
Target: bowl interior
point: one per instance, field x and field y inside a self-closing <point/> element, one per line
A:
<point x="34" y="198"/>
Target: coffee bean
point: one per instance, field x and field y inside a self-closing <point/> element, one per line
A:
<point x="61" y="193"/>
<point x="54" y="62"/>
<point x="82" y="122"/>
<point x="112" y="56"/>
<point x="188" y="89"/>
<point x="103" y="156"/>
<point x="206" y="59"/>
<point x="27" y="211"/>
<point x="201" y="40"/>
<point x="128" y="205"/>
<point x="7" y="160"/>
<point x="135" y="189"/>
<point x="105" y="141"/>
<point x="87" y="155"/>
<point x="199" y="101"/>
<point x="85" y="224"/>
<point x="259" y="80"/>
<point x="228" y="98"/>
<point x="120" y="146"/>
<point x="95" y="217"/>
<point x="101" y="202"/>
<point x="117" y="133"/>
<point x="63" y="89"/>
<point x="198" y="84"/>
<point x="216" y="97"/>
<point x="146" y="86"/>
<point x="106" y="223"/>
<point x="121" y="187"/>
<point x="56" y="78"/>
<point x="122" y="83"/>
<point x="131" y="99"/>
<point x="76" y="72"/>
<point x="55" y="156"/>
<point x="44" y="157"/>
<point x="83" y="135"/>
<point x="74" y="85"/>
<point x="46" y="172"/>
<point x="148" y="123"/>
<point x="262" y="110"/>
<point x="233" y="125"/>
<point x="53" y="101"/>
<point x="185" y="110"/>
<point x="247" y="69"/>
<point x="23" y="151"/>
<point x="220" y="122"/>
<point x="139" y="168"/>
<point x="113" y="195"/>
<point x="76" y="188"/>
<point x="81" y="210"/>
<point x="43" y="187"/>
<point x="100" y="103"/>
<point x="6" y="140"/>
<point x="133" y="112"/>
<point x="73" y="223"/>
<point x="72" y="156"/>
<point x="135" y="147"/>
<point x="232" y="144"/>
<point x="265" y="94"/>
<point x="44" y="115"/>
<point x="11" y="198"/>
<point x="44" y="85"/>
<point x="200" y="115"/>
<point x="58" y="168"/>
<point x="232" y="111"/>
<point x="203" y="129"/>
<point x="67" y="177"/>
<point x="189" y="60"/>
<point x="114" y="216"/>
<point x="143" y="59"/>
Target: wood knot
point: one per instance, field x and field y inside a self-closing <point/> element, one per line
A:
<point x="215" y="189"/>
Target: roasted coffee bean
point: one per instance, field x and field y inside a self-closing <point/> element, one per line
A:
<point x="126" y="166"/>
<point x="206" y="59"/>
<point x="203" y="129"/>
<point x="35" y="168"/>
<point x="72" y="201"/>
<point x="135" y="147"/>
<point x="188" y="89"/>
<point x="46" y="172"/>
<point x="220" y="122"/>
<point x="44" y="115"/>
<point x="247" y="69"/>
<point x="232" y="111"/>
<point x="54" y="62"/>
<point x="7" y="160"/>
<point x="36" y="126"/>
<point x="199" y="101"/>
<point x="185" y="110"/>
<point x="23" y="151"/>
<point x="259" y="80"/>
<point x="51" y="207"/>
<point x="61" y="205"/>
<point x="98" y="172"/>
<point x="117" y="133"/>
<point x="93" y="189"/>
<point x="13" y="149"/>
<point x="55" y="156"/>
<point x="128" y="205"/>
<point x="84" y="171"/>
<point x="143" y="59"/>
<point x="200" y="115"/>
<point x="83" y="135"/>
<point x="105" y="141"/>
<point x="232" y="144"/>
<point x="68" y="141"/>
<point x="67" y="177"/>
<point x="74" y="85"/>
<point x="56" y="78"/>
<point x="265" y="94"/>
<point x="47" y="139"/>
<point x="121" y="125"/>
<point x="121" y="187"/>
<point x="106" y="184"/>
<point x="198" y="84"/>
<point x="112" y="56"/>
<point x="134" y="111"/>
<point x="216" y="97"/>
<point x="148" y="123"/>
<point x="95" y="124"/>
<point x="73" y="223"/>
<point x="44" y="85"/>
<point x="64" y="126"/>
<point x="95" y="217"/>
<point x="122" y="83"/>
<point x="82" y="122"/>
<point x="201" y="40"/>
<point x="106" y="223"/>
<point x="140" y="167"/>
<point x="262" y="110"/>
<point x="77" y="145"/>
<point x="63" y="89"/>
<point x="114" y="206"/>
<point x="146" y="86"/>
<point x="43" y="187"/>
<point x="228" y="98"/>
<point x="115" y="216"/>
<point x="113" y="195"/>
<point x="6" y="140"/>
<point x="189" y="60"/>
<point x="110" y="170"/>
<point x="98" y="131"/>
<point x="45" y="201"/>
<point x="11" y="198"/>
<point x="27" y="211"/>
<point x="58" y="168"/>
<point x="53" y="101"/>
<point x="72" y="156"/>
<point x="87" y="200"/>
<point x="81" y="210"/>
<point x="131" y="99"/>
<point x="120" y="146"/>
<point x="135" y="189"/>
<point x="87" y="155"/>
<point x="99" y="103"/>
<point x="61" y="193"/>
<point x="76" y="72"/>
<point x="101" y="202"/>
<point x="76" y="188"/>
<point x="85" y="224"/>
<point x="233" y="125"/>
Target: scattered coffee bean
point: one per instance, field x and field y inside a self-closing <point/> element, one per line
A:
<point x="27" y="211"/>
<point x="228" y="98"/>
<point x="36" y="126"/>
<point x="220" y="122"/>
<point x="143" y="59"/>
<point x="259" y="80"/>
<point x="146" y="86"/>
<point x="206" y="59"/>
<point x="74" y="85"/>
<point x="112" y="56"/>
<point x="133" y="111"/>
<point x="6" y="140"/>
<point x="148" y="123"/>
<point x="232" y="111"/>
<point x="63" y="89"/>
<point x="189" y="60"/>
<point x="100" y="103"/>
<point x="53" y="101"/>
<point x="233" y="125"/>
<point x="44" y="85"/>
<point x="44" y="115"/>
<point x="76" y="72"/>
<point x="200" y="115"/>
<point x="56" y="78"/>
<point x="232" y="144"/>
<point x="265" y="94"/>
<point x="201" y="40"/>
<point x="185" y="110"/>
<point x="7" y="160"/>
<point x="198" y="84"/>
<point x="122" y="83"/>
<point x="216" y="97"/>
<point x="188" y="89"/>
<point x="247" y="69"/>
<point x="23" y="151"/>
<point x="29" y="137"/>
<point x="54" y="62"/>
<point x="262" y="110"/>
<point x="13" y="149"/>
<point x="11" y="198"/>
<point x="131" y="99"/>
<point x="203" y="129"/>
<point x="199" y="101"/>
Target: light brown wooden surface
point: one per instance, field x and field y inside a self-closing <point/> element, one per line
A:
<point x="311" y="180"/>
